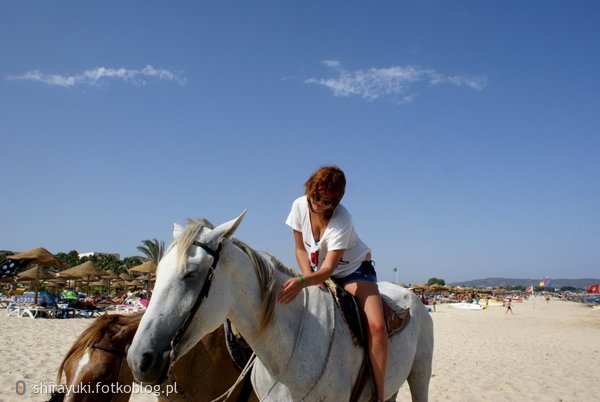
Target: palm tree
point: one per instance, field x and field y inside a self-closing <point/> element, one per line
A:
<point x="153" y="250"/>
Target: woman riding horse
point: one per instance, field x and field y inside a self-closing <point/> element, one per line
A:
<point x="327" y="246"/>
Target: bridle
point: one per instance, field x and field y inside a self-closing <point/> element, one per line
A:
<point x="122" y="353"/>
<point x="215" y="254"/>
<point x="110" y="349"/>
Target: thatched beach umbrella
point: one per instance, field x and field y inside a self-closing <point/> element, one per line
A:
<point x="125" y="276"/>
<point x="146" y="277"/>
<point x="58" y="280"/>
<point x="133" y="283"/>
<point x="110" y="275"/>
<point x="40" y="257"/>
<point x="85" y="270"/>
<point x="36" y="274"/>
<point x="148" y="266"/>
<point x="102" y="282"/>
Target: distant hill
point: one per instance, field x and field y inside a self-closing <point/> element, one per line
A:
<point x="497" y="282"/>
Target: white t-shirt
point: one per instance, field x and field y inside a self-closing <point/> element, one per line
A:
<point x="339" y="235"/>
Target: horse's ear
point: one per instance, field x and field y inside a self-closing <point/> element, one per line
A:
<point x="177" y="229"/>
<point x="226" y="230"/>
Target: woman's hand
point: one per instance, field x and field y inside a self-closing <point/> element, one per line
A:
<point x="289" y="290"/>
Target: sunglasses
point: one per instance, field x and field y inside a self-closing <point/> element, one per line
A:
<point x="317" y="198"/>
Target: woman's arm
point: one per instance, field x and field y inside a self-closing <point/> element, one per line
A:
<point x="293" y="286"/>
<point x="331" y="261"/>
<point x="301" y="254"/>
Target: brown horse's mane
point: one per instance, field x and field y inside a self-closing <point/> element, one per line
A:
<point x="106" y="323"/>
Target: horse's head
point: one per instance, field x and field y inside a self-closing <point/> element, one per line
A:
<point x="186" y="273"/>
<point x="96" y="361"/>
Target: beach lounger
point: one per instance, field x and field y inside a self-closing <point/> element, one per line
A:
<point x="132" y="305"/>
<point x="37" y="311"/>
<point x="31" y="311"/>
<point x="23" y="305"/>
<point x="5" y="301"/>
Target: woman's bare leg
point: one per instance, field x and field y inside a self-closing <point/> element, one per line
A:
<point x="369" y="301"/>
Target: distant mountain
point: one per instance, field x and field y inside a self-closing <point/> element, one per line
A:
<point x="497" y="282"/>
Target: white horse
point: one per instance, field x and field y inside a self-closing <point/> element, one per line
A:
<point x="304" y="349"/>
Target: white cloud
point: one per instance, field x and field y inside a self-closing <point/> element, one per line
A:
<point x="98" y="75"/>
<point x="397" y="82"/>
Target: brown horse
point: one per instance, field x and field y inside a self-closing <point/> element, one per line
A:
<point x="96" y="368"/>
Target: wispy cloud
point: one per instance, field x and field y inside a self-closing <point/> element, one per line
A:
<point x="398" y="82"/>
<point x="99" y="75"/>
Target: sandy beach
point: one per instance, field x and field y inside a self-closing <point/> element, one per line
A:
<point x="542" y="352"/>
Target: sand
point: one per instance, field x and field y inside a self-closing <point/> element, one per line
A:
<point x="543" y="352"/>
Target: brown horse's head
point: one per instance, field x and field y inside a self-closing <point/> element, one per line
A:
<point x="96" y="362"/>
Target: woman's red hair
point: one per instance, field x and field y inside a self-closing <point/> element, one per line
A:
<point x="328" y="180"/>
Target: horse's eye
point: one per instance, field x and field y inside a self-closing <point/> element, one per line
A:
<point x="191" y="275"/>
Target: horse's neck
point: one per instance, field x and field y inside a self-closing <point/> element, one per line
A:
<point x="275" y="341"/>
<point x="120" y="335"/>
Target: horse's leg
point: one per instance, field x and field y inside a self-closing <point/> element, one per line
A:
<point x="420" y="372"/>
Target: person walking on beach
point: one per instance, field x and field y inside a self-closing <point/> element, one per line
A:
<point x="508" y="306"/>
<point x="326" y="245"/>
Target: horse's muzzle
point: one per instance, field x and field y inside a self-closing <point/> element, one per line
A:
<point x="151" y="368"/>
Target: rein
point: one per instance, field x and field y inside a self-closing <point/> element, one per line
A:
<point x="215" y="254"/>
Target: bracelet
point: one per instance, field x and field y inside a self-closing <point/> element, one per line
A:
<point x="302" y="280"/>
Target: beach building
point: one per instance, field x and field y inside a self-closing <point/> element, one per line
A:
<point x="98" y="254"/>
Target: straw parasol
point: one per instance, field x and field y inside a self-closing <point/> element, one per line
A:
<point x="38" y="255"/>
<point x="110" y="275"/>
<point x="36" y="274"/>
<point x="85" y="270"/>
<point x="118" y="284"/>
<point x="133" y="283"/>
<point x="41" y="257"/>
<point x="125" y="276"/>
<point x="102" y="282"/>
<point x="148" y="266"/>
<point x="146" y="277"/>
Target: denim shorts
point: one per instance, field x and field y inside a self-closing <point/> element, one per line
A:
<point x="366" y="272"/>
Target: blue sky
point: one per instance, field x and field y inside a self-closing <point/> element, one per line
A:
<point x="469" y="131"/>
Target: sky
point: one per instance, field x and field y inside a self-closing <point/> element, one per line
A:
<point x="469" y="131"/>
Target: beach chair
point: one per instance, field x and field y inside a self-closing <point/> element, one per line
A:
<point x="132" y="304"/>
<point x="6" y="301"/>
<point x="23" y="305"/>
<point x="85" y="309"/>
<point x="35" y="311"/>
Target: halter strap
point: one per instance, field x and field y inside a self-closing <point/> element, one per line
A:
<point x="109" y="349"/>
<point x="215" y="254"/>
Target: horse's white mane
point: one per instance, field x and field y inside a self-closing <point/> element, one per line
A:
<point x="265" y="264"/>
<point x="187" y="237"/>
